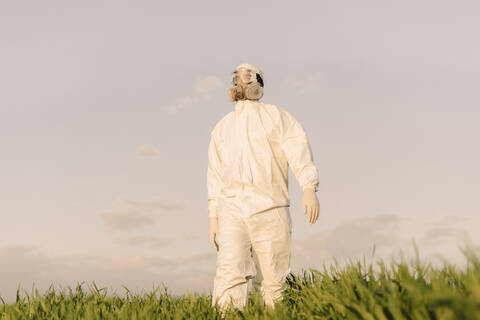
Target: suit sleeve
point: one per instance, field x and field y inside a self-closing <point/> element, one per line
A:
<point x="297" y="149"/>
<point x="214" y="181"/>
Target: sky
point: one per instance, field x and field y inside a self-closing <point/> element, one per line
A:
<point x="106" y="110"/>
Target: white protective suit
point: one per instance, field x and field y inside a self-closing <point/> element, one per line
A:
<point x="247" y="180"/>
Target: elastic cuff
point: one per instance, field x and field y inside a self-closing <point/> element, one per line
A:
<point x="315" y="188"/>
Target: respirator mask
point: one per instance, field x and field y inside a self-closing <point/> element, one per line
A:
<point x="248" y="83"/>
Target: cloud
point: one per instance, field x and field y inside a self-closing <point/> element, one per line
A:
<point x="305" y="85"/>
<point x="182" y="103"/>
<point x="449" y="220"/>
<point x="348" y="239"/>
<point x="29" y="266"/>
<point x="207" y="85"/>
<point x="391" y="234"/>
<point x="145" y="240"/>
<point x="189" y="236"/>
<point x="125" y="220"/>
<point x="131" y="214"/>
<point x="435" y="234"/>
<point x="202" y="92"/>
<point x="147" y="150"/>
<point x="154" y="203"/>
<point x="26" y="263"/>
<point x="195" y="259"/>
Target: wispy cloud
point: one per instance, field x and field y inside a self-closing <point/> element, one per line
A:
<point x="147" y="150"/>
<point x="305" y="85"/>
<point x="29" y="265"/>
<point x="130" y="214"/>
<point x="125" y="220"/>
<point x="145" y="240"/>
<point x="155" y="202"/>
<point x="390" y="234"/>
<point x="202" y="93"/>
<point x="195" y="259"/>
<point x="445" y="228"/>
<point x="348" y="239"/>
<point x="26" y="263"/>
<point x="207" y="85"/>
<point x="189" y="236"/>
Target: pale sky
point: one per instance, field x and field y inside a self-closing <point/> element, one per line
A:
<point x="106" y="110"/>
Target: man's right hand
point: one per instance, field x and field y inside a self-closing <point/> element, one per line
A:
<point x="212" y="231"/>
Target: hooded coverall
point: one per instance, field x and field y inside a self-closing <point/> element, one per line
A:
<point x="247" y="181"/>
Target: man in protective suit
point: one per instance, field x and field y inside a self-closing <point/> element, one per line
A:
<point x="249" y="154"/>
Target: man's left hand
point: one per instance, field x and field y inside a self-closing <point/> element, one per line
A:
<point x="310" y="205"/>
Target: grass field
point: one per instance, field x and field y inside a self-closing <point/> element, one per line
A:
<point x="397" y="290"/>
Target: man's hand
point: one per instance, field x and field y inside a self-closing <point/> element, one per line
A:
<point x="212" y="231"/>
<point x="310" y="205"/>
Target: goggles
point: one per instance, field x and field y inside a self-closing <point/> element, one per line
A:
<point x="243" y="75"/>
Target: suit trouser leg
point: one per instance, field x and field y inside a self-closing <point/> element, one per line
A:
<point x="270" y="235"/>
<point x="234" y="264"/>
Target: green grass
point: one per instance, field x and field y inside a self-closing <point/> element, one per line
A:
<point x="397" y="290"/>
